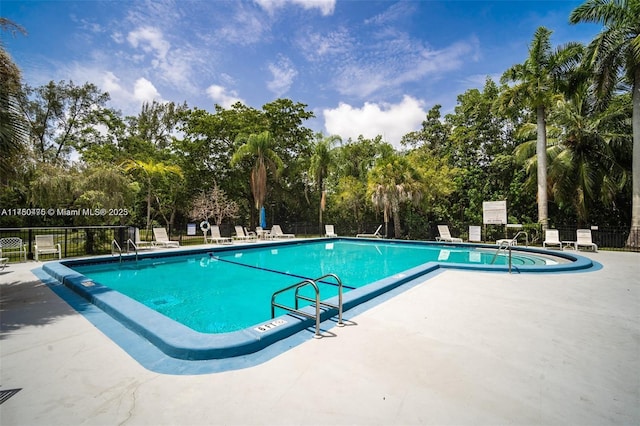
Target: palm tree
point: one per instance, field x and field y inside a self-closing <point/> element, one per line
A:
<point x="13" y="130"/>
<point x="151" y="169"/>
<point x="537" y="82"/>
<point x="321" y="160"/>
<point x="584" y="167"/>
<point x="258" y="147"/>
<point x="390" y="183"/>
<point x="616" y="48"/>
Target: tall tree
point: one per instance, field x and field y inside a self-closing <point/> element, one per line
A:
<point x="617" y="48"/>
<point x="537" y="81"/>
<point x="392" y="182"/>
<point x="13" y="132"/>
<point x="58" y="114"/>
<point x="150" y="170"/>
<point x="258" y="148"/>
<point x="321" y="160"/>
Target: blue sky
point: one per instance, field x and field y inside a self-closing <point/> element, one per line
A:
<point x="363" y="67"/>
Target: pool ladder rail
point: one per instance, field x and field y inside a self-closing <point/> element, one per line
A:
<point x="507" y="244"/>
<point x="118" y="249"/>
<point x="316" y="300"/>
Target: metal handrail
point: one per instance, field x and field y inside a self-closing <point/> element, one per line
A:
<point x="135" y="247"/>
<point x="297" y="311"/>
<point x="114" y="242"/>
<point x="338" y="306"/>
<point x="504" y="245"/>
<point x="526" y="237"/>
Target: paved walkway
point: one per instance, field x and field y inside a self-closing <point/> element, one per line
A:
<point x="461" y="348"/>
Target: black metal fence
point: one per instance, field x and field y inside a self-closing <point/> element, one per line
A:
<point x="97" y="240"/>
<point x="74" y="241"/>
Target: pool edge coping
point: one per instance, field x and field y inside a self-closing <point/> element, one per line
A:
<point x="180" y="342"/>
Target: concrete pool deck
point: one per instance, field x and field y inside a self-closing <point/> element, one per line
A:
<point x="463" y="347"/>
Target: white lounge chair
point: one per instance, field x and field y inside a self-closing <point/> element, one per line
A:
<point x="162" y="239"/>
<point x="552" y="238"/>
<point x="216" y="237"/>
<point x="241" y="235"/>
<point x="374" y="235"/>
<point x="475" y="233"/>
<point x="276" y="232"/>
<point x="445" y="235"/>
<point x="583" y="239"/>
<point x="3" y="260"/>
<point x="329" y="231"/>
<point x="13" y="245"/>
<point x="263" y="233"/>
<point x="141" y="244"/>
<point x="45" y="245"/>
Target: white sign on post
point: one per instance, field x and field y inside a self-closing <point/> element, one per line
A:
<point x="494" y="212"/>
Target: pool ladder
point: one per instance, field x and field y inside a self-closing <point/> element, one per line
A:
<point x="507" y="244"/>
<point x="316" y="300"/>
<point x="116" y="246"/>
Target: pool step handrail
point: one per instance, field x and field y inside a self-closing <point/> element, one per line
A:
<point x="135" y="247"/>
<point x="329" y="305"/>
<point x="504" y="245"/>
<point x="303" y="283"/>
<point x="118" y="248"/>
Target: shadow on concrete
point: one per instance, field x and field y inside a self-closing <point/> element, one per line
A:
<point x="28" y="303"/>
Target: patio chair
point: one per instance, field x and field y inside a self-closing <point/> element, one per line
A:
<point x="241" y="235"/>
<point x="374" y="235"/>
<point x="141" y="244"/>
<point x="552" y="238"/>
<point x="445" y="235"/>
<point x="475" y="233"/>
<point x="216" y="237"/>
<point x="3" y="260"/>
<point x="276" y="232"/>
<point x="13" y="245"/>
<point x="329" y="231"/>
<point x="263" y="233"/>
<point x="45" y="245"/>
<point x="583" y="239"/>
<point x="162" y="239"/>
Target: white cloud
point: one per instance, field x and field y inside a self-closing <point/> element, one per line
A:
<point x="397" y="60"/>
<point x="150" y="40"/>
<point x="392" y="121"/>
<point x="222" y="96"/>
<point x="317" y="46"/>
<point x="283" y="74"/>
<point x="145" y="91"/>
<point x="326" y="7"/>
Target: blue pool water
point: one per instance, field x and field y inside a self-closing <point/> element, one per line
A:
<point x="215" y="303"/>
<point x="232" y="290"/>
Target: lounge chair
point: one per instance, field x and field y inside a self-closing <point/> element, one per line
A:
<point x="445" y="235"/>
<point x="552" y="238"/>
<point x="216" y="237"/>
<point x="3" y="260"/>
<point x="584" y="240"/>
<point x="276" y="232"/>
<point x="263" y="233"/>
<point x="141" y="244"/>
<point x="329" y="231"/>
<point x="162" y="239"/>
<point x="475" y="234"/>
<point x="45" y="245"/>
<point x="374" y="235"/>
<point x="242" y="236"/>
<point x="13" y="245"/>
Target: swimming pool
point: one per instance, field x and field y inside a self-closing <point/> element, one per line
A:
<point x="215" y="302"/>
